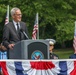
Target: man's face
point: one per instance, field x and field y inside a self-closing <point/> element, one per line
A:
<point x="17" y="16"/>
<point x="51" y="48"/>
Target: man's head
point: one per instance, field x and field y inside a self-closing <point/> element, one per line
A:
<point x="51" y="45"/>
<point x="16" y="14"/>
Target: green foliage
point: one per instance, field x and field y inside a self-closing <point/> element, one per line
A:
<point x="64" y="53"/>
<point x="56" y="17"/>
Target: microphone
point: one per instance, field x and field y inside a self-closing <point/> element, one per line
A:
<point x="24" y="33"/>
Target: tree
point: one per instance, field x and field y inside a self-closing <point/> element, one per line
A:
<point x="56" y="17"/>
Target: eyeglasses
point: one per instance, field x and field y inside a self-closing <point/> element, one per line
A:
<point x="18" y="14"/>
<point x="51" y="45"/>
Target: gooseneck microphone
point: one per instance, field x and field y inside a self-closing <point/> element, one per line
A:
<point x="24" y="33"/>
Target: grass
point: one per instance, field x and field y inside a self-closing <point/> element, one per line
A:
<point x="64" y="53"/>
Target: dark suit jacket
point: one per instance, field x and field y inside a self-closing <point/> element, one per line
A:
<point x="53" y="56"/>
<point x="10" y="34"/>
<point x="73" y="56"/>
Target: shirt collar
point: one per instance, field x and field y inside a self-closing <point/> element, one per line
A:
<point x="15" y="24"/>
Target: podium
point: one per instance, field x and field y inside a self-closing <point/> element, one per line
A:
<point x="30" y="49"/>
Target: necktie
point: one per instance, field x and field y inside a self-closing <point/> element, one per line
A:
<point x="18" y="31"/>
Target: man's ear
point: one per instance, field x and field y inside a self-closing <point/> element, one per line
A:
<point x="13" y="16"/>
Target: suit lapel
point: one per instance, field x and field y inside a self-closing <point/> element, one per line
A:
<point x="13" y="27"/>
<point x="20" y="25"/>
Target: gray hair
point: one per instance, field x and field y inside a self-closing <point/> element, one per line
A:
<point x="13" y="10"/>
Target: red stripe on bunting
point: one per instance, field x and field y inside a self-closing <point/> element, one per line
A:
<point x="42" y="65"/>
<point x="74" y="70"/>
<point x="4" y="69"/>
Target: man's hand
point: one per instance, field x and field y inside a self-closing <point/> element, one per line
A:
<point x="3" y="48"/>
<point x="11" y="46"/>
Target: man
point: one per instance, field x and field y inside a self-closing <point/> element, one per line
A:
<point x="3" y="55"/>
<point x="73" y="56"/>
<point x="51" y="47"/>
<point x="13" y="31"/>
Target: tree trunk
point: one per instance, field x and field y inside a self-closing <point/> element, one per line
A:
<point x="63" y="45"/>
